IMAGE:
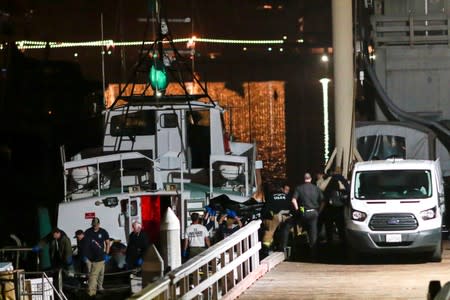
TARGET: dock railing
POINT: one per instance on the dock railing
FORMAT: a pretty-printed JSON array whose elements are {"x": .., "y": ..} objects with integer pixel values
[
  {"x": 18, "y": 254},
  {"x": 411, "y": 29},
  {"x": 35, "y": 285},
  {"x": 220, "y": 272}
]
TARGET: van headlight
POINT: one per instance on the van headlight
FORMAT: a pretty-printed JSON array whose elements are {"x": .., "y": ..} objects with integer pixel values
[
  {"x": 428, "y": 214},
  {"x": 358, "y": 215}
]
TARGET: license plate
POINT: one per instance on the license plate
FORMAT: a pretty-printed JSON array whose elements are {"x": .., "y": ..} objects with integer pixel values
[{"x": 393, "y": 238}]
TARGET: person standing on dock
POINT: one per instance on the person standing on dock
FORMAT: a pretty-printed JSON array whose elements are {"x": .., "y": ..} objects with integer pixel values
[
  {"x": 196, "y": 238},
  {"x": 81, "y": 258},
  {"x": 308, "y": 201},
  {"x": 97, "y": 239},
  {"x": 137, "y": 246},
  {"x": 275, "y": 213},
  {"x": 60, "y": 249},
  {"x": 336, "y": 193}
]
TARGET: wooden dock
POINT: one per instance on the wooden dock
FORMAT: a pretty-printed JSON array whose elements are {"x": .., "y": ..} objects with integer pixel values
[{"x": 396, "y": 277}]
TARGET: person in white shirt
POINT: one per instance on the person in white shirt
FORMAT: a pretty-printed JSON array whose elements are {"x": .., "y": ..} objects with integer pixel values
[{"x": 196, "y": 238}]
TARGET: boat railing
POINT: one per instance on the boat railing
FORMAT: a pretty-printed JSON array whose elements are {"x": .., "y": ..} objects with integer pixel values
[
  {"x": 241, "y": 165},
  {"x": 96, "y": 163},
  {"x": 220, "y": 272},
  {"x": 411, "y": 29}
]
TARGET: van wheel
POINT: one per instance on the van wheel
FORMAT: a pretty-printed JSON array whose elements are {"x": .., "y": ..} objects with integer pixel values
[
  {"x": 434, "y": 286},
  {"x": 437, "y": 254}
]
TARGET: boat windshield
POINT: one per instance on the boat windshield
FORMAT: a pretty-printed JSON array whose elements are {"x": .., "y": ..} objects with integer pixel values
[{"x": 393, "y": 184}]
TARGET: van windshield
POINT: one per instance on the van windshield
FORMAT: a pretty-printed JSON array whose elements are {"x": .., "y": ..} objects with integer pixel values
[{"x": 393, "y": 184}]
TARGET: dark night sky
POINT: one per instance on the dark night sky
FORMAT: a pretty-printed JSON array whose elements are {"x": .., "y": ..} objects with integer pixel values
[
  {"x": 34, "y": 136},
  {"x": 58, "y": 20}
]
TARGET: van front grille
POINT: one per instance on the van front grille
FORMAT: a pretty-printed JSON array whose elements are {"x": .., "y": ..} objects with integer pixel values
[{"x": 393, "y": 222}]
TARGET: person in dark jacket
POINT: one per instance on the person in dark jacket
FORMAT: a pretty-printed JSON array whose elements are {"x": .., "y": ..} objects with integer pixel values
[
  {"x": 336, "y": 195},
  {"x": 138, "y": 244},
  {"x": 60, "y": 249},
  {"x": 97, "y": 255},
  {"x": 275, "y": 215},
  {"x": 308, "y": 202},
  {"x": 82, "y": 251}
]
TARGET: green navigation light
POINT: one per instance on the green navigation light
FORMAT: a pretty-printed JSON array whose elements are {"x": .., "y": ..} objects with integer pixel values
[{"x": 158, "y": 77}]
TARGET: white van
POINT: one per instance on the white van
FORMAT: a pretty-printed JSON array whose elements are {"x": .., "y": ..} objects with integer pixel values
[{"x": 396, "y": 206}]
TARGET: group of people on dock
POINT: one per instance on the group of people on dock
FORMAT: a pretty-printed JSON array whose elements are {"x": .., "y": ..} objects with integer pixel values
[
  {"x": 314, "y": 209},
  {"x": 93, "y": 252},
  {"x": 311, "y": 209}
]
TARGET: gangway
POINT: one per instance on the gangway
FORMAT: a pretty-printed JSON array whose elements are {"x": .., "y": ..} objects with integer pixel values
[{"x": 223, "y": 271}]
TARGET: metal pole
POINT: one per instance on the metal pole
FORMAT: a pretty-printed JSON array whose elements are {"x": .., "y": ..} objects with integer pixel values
[
  {"x": 343, "y": 79},
  {"x": 103, "y": 59},
  {"x": 60, "y": 282},
  {"x": 17, "y": 285}
]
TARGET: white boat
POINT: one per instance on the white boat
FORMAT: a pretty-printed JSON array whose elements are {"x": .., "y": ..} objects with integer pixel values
[
  {"x": 155, "y": 156},
  {"x": 161, "y": 148}
]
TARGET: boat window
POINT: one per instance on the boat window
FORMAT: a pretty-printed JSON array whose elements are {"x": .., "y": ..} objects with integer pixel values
[
  {"x": 393, "y": 184},
  {"x": 124, "y": 206},
  {"x": 133, "y": 124},
  {"x": 168, "y": 120},
  {"x": 199, "y": 137},
  {"x": 133, "y": 208}
]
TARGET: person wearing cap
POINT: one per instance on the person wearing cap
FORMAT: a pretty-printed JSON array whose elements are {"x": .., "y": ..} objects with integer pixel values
[
  {"x": 308, "y": 202},
  {"x": 138, "y": 244},
  {"x": 98, "y": 244},
  {"x": 60, "y": 249},
  {"x": 83, "y": 262}
]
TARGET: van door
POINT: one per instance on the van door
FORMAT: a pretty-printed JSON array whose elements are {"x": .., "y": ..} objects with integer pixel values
[{"x": 440, "y": 186}]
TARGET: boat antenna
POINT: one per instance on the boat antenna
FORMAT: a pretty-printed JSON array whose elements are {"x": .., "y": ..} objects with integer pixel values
[
  {"x": 103, "y": 57},
  {"x": 165, "y": 64}
]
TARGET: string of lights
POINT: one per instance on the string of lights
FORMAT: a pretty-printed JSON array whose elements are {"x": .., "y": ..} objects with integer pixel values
[{"x": 27, "y": 44}]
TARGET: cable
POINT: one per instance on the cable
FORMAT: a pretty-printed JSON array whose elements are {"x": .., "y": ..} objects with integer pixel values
[{"x": 442, "y": 132}]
